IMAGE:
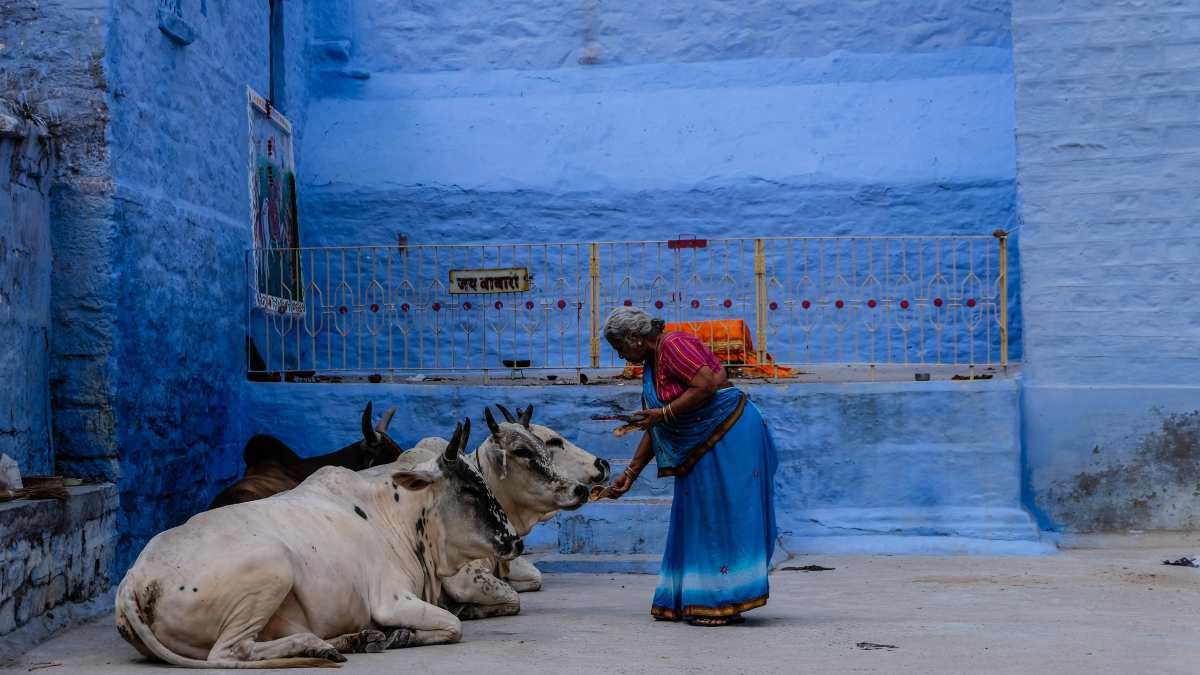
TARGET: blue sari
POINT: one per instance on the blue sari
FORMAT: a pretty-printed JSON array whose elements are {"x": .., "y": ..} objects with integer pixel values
[{"x": 722, "y": 532}]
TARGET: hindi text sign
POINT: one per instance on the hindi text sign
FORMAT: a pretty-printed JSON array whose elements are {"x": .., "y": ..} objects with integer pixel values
[{"x": 495, "y": 280}]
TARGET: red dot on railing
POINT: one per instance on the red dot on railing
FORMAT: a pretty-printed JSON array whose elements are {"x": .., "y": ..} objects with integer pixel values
[
  {"x": 695, "y": 304},
  {"x": 903, "y": 304},
  {"x": 970, "y": 302},
  {"x": 528, "y": 304},
  {"x": 658, "y": 304},
  {"x": 871, "y": 303},
  {"x": 467, "y": 305},
  {"x": 774, "y": 306},
  {"x": 374, "y": 307},
  {"x": 806, "y": 304},
  {"x": 937, "y": 302},
  {"x": 343, "y": 309},
  {"x": 499, "y": 305},
  {"x": 728, "y": 303},
  {"x": 437, "y": 306},
  {"x": 562, "y": 304},
  {"x": 628, "y": 302},
  {"x": 839, "y": 304},
  {"x": 404, "y": 307}
]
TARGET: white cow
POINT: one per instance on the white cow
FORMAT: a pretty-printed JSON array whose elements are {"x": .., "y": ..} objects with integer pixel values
[
  {"x": 534, "y": 472},
  {"x": 297, "y": 578}
]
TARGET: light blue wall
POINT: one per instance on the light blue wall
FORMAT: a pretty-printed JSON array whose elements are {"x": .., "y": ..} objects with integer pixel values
[
  {"x": 760, "y": 118},
  {"x": 1107, "y": 134}
]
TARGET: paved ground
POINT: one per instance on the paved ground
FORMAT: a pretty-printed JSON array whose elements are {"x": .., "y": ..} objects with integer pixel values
[{"x": 1112, "y": 610}]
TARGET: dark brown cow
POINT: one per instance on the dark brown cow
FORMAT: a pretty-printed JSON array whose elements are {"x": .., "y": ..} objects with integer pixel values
[{"x": 272, "y": 467}]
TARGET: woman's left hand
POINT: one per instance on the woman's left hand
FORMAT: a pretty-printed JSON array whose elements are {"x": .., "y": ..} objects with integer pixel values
[{"x": 646, "y": 419}]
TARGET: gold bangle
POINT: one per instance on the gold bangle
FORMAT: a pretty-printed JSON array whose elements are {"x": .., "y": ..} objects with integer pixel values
[{"x": 667, "y": 414}]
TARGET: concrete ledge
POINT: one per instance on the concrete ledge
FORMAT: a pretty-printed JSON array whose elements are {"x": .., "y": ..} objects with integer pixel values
[
  {"x": 915, "y": 545},
  {"x": 57, "y": 559}
]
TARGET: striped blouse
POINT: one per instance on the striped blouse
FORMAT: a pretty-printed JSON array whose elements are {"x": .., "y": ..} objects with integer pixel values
[{"x": 680, "y": 357}]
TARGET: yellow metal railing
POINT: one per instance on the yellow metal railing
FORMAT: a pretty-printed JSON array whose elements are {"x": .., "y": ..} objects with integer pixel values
[{"x": 870, "y": 301}]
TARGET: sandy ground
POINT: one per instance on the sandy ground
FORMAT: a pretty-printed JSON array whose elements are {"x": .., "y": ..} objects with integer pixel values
[{"x": 1115, "y": 609}]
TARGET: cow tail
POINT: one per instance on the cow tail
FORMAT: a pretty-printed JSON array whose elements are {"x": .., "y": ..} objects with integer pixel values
[{"x": 136, "y": 632}]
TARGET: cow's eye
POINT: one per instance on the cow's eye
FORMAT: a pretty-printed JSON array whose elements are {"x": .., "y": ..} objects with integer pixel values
[{"x": 523, "y": 453}]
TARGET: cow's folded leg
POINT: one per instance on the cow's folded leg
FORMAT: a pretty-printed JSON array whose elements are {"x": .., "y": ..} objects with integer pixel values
[
  {"x": 300, "y": 644},
  {"x": 477, "y": 594},
  {"x": 523, "y": 576},
  {"x": 424, "y": 623},
  {"x": 362, "y": 642}
]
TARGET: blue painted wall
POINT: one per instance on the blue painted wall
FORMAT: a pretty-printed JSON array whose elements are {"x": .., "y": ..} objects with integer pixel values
[
  {"x": 179, "y": 139},
  {"x": 1107, "y": 137},
  {"x": 541, "y": 120},
  {"x": 26, "y": 170}
]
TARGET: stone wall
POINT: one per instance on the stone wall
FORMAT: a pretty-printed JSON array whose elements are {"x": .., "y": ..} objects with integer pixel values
[
  {"x": 26, "y": 167},
  {"x": 57, "y": 560},
  {"x": 55, "y": 49},
  {"x": 1107, "y": 136}
]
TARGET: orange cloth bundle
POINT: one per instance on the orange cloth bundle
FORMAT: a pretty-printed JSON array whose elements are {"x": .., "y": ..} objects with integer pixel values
[{"x": 730, "y": 340}]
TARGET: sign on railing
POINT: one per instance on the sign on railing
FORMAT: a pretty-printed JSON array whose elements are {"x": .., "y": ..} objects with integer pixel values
[{"x": 791, "y": 301}]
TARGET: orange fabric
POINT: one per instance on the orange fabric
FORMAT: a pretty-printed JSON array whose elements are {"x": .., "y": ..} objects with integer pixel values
[{"x": 730, "y": 340}]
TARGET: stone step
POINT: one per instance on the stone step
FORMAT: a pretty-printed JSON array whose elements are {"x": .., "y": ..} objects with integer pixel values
[
  {"x": 579, "y": 563},
  {"x": 630, "y": 525}
]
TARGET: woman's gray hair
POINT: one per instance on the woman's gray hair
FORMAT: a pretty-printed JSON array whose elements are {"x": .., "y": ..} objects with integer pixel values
[{"x": 627, "y": 324}]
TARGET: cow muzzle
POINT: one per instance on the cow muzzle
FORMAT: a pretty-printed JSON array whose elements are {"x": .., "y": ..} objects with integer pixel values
[{"x": 605, "y": 471}]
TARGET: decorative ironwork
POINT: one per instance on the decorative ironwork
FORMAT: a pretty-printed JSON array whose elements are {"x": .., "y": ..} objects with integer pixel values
[{"x": 909, "y": 301}]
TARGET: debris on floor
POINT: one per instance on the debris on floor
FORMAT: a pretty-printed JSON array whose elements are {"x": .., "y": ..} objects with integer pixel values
[
  {"x": 874, "y": 645},
  {"x": 1186, "y": 561},
  {"x": 808, "y": 568}
]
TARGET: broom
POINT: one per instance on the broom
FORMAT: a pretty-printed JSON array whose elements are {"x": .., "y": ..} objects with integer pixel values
[
  {"x": 35, "y": 492},
  {"x": 37, "y": 487}
]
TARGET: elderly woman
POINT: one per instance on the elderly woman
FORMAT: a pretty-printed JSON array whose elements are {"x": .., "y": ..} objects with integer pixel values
[{"x": 712, "y": 439}]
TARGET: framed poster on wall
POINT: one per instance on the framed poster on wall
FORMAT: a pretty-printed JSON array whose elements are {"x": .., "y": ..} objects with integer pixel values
[{"x": 274, "y": 219}]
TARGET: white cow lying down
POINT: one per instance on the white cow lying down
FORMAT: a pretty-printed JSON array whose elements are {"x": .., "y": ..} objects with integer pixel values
[
  {"x": 294, "y": 579},
  {"x": 534, "y": 472}
]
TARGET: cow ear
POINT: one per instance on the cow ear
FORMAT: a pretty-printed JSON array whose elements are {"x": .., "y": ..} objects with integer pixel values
[
  {"x": 508, "y": 416},
  {"x": 491, "y": 422},
  {"x": 526, "y": 415},
  {"x": 368, "y": 431},
  {"x": 414, "y": 479},
  {"x": 385, "y": 421}
]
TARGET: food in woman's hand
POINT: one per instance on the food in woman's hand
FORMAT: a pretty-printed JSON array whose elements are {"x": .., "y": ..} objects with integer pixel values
[{"x": 627, "y": 429}]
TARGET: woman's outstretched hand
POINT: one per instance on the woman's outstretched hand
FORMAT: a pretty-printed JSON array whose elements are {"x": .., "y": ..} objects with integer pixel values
[
  {"x": 647, "y": 419},
  {"x": 622, "y": 484}
]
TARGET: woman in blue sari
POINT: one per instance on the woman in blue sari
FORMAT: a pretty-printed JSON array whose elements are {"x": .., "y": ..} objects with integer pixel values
[{"x": 709, "y": 436}]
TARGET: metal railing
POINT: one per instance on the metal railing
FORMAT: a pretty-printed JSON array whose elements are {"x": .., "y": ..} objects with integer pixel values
[{"x": 388, "y": 311}]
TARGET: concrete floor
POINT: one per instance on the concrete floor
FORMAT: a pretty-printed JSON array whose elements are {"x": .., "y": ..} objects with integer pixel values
[{"x": 1110, "y": 610}]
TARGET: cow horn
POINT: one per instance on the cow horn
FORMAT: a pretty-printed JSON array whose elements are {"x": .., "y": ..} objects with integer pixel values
[
  {"x": 491, "y": 421},
  {"x": 508, "y": 416},
  {"x": 369, "y": 434},
  {"x": 385, "y": 421},
  {"x": 451, "y": 452},
  {"x": 526, "y": 415}
]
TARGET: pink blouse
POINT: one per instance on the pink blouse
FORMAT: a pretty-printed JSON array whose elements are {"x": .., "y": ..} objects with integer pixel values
[{"x": 680, "y": 357}]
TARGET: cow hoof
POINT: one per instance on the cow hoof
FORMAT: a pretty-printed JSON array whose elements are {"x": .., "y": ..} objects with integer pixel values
[
  {"x": 330, "y": 654},
  {"x": 400, "y": 638},
  {"x": 374, "y": 641}
]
